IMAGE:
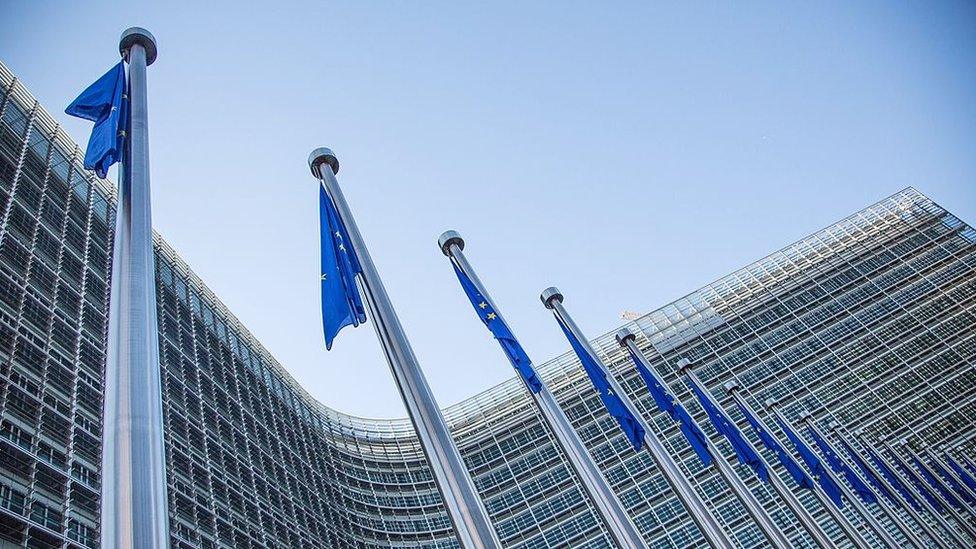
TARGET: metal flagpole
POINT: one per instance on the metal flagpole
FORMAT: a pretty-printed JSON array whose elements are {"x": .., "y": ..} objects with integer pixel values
[
  {"x": 595, "y": 485},
  {"x": 960, "y": 518},
  {"x": 465, "y": 509},
  {"x": 134, "y": 507},
  {"x": 912, "y": 512},
  {"x": 916, "y": 481},
  {"x": 955, "y": 477},
  {"x": 881, "y": 531},
  {"x": 710, "y": 528},
  {"x": 746, "y": 497},
  {"x": 886, "y": 508},
  {"x": 806, "y": 519}
]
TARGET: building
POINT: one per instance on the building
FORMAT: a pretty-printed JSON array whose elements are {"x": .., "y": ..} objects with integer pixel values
[{"x": 871, "y": 318}]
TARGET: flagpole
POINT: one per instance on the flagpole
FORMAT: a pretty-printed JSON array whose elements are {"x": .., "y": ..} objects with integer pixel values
[
  {"x": 464, "y": 507},
  {"x": 881, "y": 531},
  {"x": 806, "y": 519},
  {"x": 937, "y": 493},
  {"x": 916, "y": 481},
  {"x": 908, "y": 507},
  {"x": 134, "y": 507},
  {"x": 886, "y": 508},
  {"x": 746, "y": 497},
  {"x": 955, "y": 477},
  {"x": 595, "y": 485},
  {"x": 709, "y": 526}
]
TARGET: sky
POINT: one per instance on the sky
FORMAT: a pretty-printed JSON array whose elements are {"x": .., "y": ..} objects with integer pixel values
[{"x": 628, "y": 154}]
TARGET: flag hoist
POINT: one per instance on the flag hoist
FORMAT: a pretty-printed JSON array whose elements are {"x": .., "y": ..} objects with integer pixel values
[
  {"x": 346, "y": 263},
  {"x": 619, "y": 406},
  {"x": 134, "y": 510},
  {"x": 595, "y": 485}
]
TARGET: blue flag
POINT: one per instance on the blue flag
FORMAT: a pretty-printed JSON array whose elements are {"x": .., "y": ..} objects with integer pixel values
[
  {"x": 868, "y": 473},
  {"x": 841, "y": 468},
  {"x": 767, "y": 438},
  {"x": 743, "y": 450},
  {"x": 920, "y": 486},
  {"x": 667, "y": 403},
  {"x": 814, "y": 464},
  {"x": 893, "y": 478},
  {"x": 946, "y": 476},
  {"x": 516, "y": 355},
  {"x": 628, "y": 423},
  {"x": 342, "y": 304},
  {"x": 962, "y": 472},
  {"x": 934, "y": 483},
  {"x": 107, "y": 105}
]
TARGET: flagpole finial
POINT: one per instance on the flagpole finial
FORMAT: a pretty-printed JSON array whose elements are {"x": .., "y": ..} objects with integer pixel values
[
  {"x": 805, "y": 415},
  {"x": 322, "y": 155},
  {"x": 732, "y": 386},
  {"x": 449, "y": 238},
  {"x": 625, "y": 335},
  {"x": 684, "y": 365},
  {"x": 549, "y": 295},
  {"x": 833, "y": 425},
  {"x": 771, "y": 403},
  {"x": 138, "y": 35}
]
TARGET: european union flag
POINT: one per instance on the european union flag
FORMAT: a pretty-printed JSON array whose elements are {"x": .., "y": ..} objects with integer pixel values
[
  {"x": 949, "y": 496},
  {"x": 814, "y": 464},
  {"x": 767, "y": 438},
  {"x": 893, "y": 478},
  {"x": 628, "y": 423},
  {"x": 513, "y": 350},
  {"x": 962, "y": 472},
  {"x": 841, "y": 468},
  {"x": 743, "y": 450},
  {"x": 667, "y": 403},
  {"x": 342, "y": 304},
  {"x": 868, "y": 472},
  {"x": 106, "y": 104},
  {"x": 946, "y": 476}
]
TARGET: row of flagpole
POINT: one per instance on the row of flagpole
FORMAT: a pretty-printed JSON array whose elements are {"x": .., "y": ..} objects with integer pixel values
[{"x": 918, "y": 496}]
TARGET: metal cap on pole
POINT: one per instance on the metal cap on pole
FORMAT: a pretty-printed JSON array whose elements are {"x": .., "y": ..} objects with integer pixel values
[
  {"x": 138, "y": 35},
  {"x": 461, "y": 499}
]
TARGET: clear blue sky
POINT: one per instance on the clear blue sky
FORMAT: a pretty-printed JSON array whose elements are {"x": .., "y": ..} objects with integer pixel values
[{"x": 626, "y": 154}]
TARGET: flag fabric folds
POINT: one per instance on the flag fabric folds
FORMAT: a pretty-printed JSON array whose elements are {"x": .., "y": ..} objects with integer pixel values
[
  {"x": 628, "y": 422},
  {"x": 106, "y": 104},
  {"x": 792, "y": 467},
  {"x": 841, "y": 468},
  {"x": 893, "y": 478},
  {"x": 951, "y": 481},
  {"x": 814, "y": 464},
  {"x": 743, "y": 450},
  {"x": 868, "y": 473},
  {"x": 513, "y": 350},
  {"x": 962, "y": 472},
  {"x": 934, "y": 483},
  {"x": 342, "y": 303},
  {"x": 667, "y": 403},
  {"x": 920, "y": 486}
]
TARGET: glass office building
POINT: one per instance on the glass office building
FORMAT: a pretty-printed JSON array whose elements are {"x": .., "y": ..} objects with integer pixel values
[{"x": 869, "y": 321}]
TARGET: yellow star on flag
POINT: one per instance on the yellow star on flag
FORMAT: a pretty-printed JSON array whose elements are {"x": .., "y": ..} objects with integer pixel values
[
  {"x": 482, "y": 304},
  {"x": 491, "y": 316}
]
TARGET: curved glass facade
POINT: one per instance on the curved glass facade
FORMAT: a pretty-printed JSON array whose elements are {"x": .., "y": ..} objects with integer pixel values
[{"x": 871, "y": 318}]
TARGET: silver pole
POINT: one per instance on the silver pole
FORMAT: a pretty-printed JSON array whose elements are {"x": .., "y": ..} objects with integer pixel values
[
  {"x": 852, "y": 533},
  {"x": 595, "y": 485},
  {"x": 960, "y": 519},
  {"x": 955, "y": 477},
  {"x": 465, "y": 509},
  {"x": 886, "y": 508},
  {"x": 882, "y": 533},
  {"x": 914, "y": 482},
  {"x": 912, "y": 512},
  {"x": 134, "y": 507},
  {"x": 748, "y": 499},
  {"x": 710, "y": 528},
  {"x": 811, "y": 526}
]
